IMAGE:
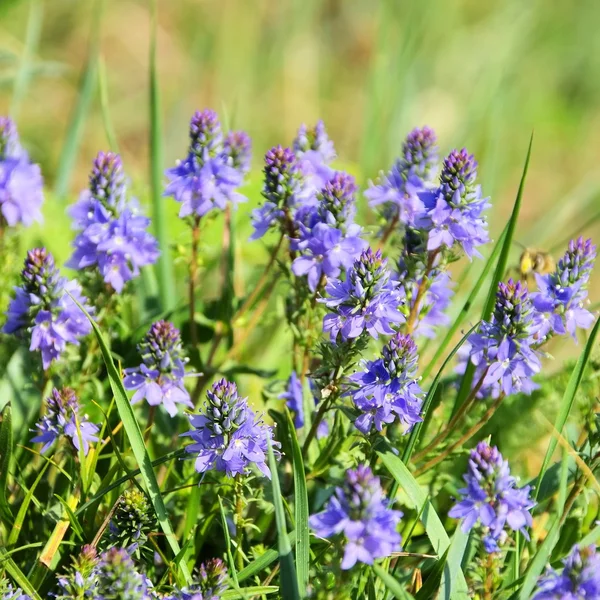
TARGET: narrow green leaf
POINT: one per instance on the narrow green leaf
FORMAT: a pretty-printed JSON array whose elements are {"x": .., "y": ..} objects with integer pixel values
[
  {"x": 19, "y": 577},
  {"x": 467, "y": 380},
  {"x": 164, "y": 265},
  {"x": 232, "y": 568},
  {"x": 263, "y": 561},
  {"x": 249, "y": 592},
  {"x": 6, "y": 445},
  {"x": 464, "y": 311},
  {"x": 392, "y": 584},
  {"x": 431, "y": 586},
  {"x": 414, "y": 434},
  {"x": 568, "y": 398},
  {"x": 77, "y": 528},
  {"x": 289, "y": 581},
  {"x": 136, "y": 441},
  {"x": 301, "y": 510},
  {"x": 449, "y": 586}
]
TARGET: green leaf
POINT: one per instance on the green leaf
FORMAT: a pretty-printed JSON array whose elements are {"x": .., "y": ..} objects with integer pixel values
[
  {"x": 449, "y": 586},
  {"x": 136, "y": 441},
  {"x": 432, "y": 584},
  {"x": 6, "y": 445},
  {"x": 249, "y": 592},
  {"x": 289, "y": 580},
  {"x": 568, "y": 398},
  {"x": 77, "y": 528},
  {"x": 392, "y": 584},
  {"x": 300, "y": 511},
  {"x": 19, "y": 577},
  {"x": 467, "y": 380},
  {"x": 164, "y": 265},
  {"x": 263, "y": 561},
  {"x": 433, "y": 525},
  {"x": 414, "y": 434},
  {"x": 232, "y": 568}
]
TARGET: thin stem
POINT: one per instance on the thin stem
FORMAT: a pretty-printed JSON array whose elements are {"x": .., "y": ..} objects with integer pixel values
[
  {"x": 193, "y": 281},
  {"x": 388, "y": 231},
  {"x": 239, "y": 522},
  {"x": 442, "y": 435},
  {"x": 414, "y": 310},
  {"x": 151, "y": 415},
  {"x": 465, "y": 438}
]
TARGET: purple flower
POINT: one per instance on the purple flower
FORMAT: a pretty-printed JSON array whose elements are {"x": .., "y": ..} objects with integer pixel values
[
  {"x": 62, "y": 418},
  {"x": 209, "y": 176},
  {"x": 503, "y": 348},
  {"x": 228, "y": 436},
  {"x": 367, "y": 300},
  {"x": 337, "y": 201},
  {"x": 42, "y": 310},
  {"x": 79, "y": 580},
  {"x": 454, "y": 210},
  {"x": 10, "y": 593},
  {"x": 358, "y": 514},
  {"x": 579, "y": 578},
  {"x": 314, "y": 140},
  {"x": 113, "y": 236},
  {"x": 398, "y": 190},
  {"x": 491, "y": 499},
  {"x": 294, "y": 399},
  {"x": 21, "y": 184},
  {"x": 159, "y": 379},
  {"x": 117, "y": 577},
  {"x": 387, "y": 388},
  {"x": 562, "y": 294}
]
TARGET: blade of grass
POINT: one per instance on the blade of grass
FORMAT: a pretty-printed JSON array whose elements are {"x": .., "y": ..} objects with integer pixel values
[
  {"x": 289, "y": 580},
  {"x": 6, "y": 445},
  {"x": 79, "y": 113},
  {"x": 136, "y": 441},
  {"x": 18, "y": 576},
  {"x": 232, "y": 568},
  {"x": 392, "y": 584},
  {"x": 448, "y": 587},
  {"x": 164, "y": 265},
  {"x": 111, "y": 137},
  {"x": 249, "y": 592},
  {"x": 300, "y": 511},
  {"x": 263, "y": 561},
  {"x": 467, "y": 380},
  {"x": 567, "y": 400}
]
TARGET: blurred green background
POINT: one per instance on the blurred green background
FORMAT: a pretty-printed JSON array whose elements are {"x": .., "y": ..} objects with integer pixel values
[{"x": 73, "y": 73}]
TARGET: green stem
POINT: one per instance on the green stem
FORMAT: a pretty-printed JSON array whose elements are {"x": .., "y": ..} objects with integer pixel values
[{"x": 239, "y": 522}]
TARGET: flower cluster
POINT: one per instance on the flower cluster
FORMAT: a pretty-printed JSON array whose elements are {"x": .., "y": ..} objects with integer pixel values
[
  {"x": 43, "y": 309},
  {"x": 562, "y": 294},
  {"x": 113, "y": 237},
  {"x": 117, "y": 577},
  {"x": 228, "y": 436},
  {"x": 159, "y": 378},
  {"x": 63, "y": 419},
  {"x": 387, "y": 388},
  {"x": 209, "y": 176},
  {"x": 491, "y": 498},
  {"x": 8, "y": 592},
  {"x": 314, "y": 139},
  {"x": 21, "y": 193},
  {"x": 454, "y": 211},
  {"x": 398, "y": 190},
  {"x": 294, "y": 398},
  {"x": 502, "y": 350},
  {"x": 579, "y": 578},
  {"x": 79, "y": 581},
  {"x": 358, "y": 515},
  {"x": 329, "y": 239},
  {"x": 367, "y": 300},
  {"x": 132, "y": 521}
]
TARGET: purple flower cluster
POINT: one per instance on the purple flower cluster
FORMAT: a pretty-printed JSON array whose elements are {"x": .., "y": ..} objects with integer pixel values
[
  {"x": 113, "y": 236},
  {"x": 294, "y": 398},
  {"x": 502, "y": 350},
  {"x": 314, "y": 140},
  {"x": 63, "y": 418},
  {"x": 412, "y": 273},
  {"x": 329, "y": 240},
  {"x": 367, "y": 300},
  {"x": 209, "y": 176},
  {"x": 10, "y": 593},
  {"x": 228, "y": 436},
  {"x": 117, "y": 577},
  {"x": 578, "y": 580},
  {"x": 159, "y": 378},
  {"x": 562, "y": 294},
  {"x": 398, "y": 190},
  {"x": 21, "y": 184},
  {"x": 359, "y": 515},
  {"x": 454, "y": 211},
  {"x": 491, "y": 498},
  {"x": 387, "y": 388},
  {"x": 43, "y": 311},
  {"x": 209, "y": 583},
  {"x": 79, "y": 580}
]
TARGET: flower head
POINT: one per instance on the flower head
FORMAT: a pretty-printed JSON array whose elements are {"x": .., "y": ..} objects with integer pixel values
[
  {"x": 454, "y": 211},
  {"x": 159, "y": 378},
  {"x": 502, "y": 349},
  {"x": 579, "y": 578},
  {"x": 337, "y": 201},
  {"x": 228, "y": 436},
  {"x": 314, "y": 140},
  {"x": 80, "y": 579},
  {"x": 367, "y": 300},
  {"x": 21, "y": 193},
  {"x": 282, "y": 178},
  {"x": 358, "y": 515},
  {"x": 238, "y": 149},
  {"x": 132, "y": 521},
  {"x": 387, "y": 389},
  {"x": 491, "y": 499},
  {"x": 118, "y": 579},
  {"x": 43, "y": 311},
  {"x": 562, "y": 294},
  {"x": 8, "y": 592},
  {"x": 113, "y": 237},
  {"x": 63, "y": 418},
  {"x": 206, "y": 137}
]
